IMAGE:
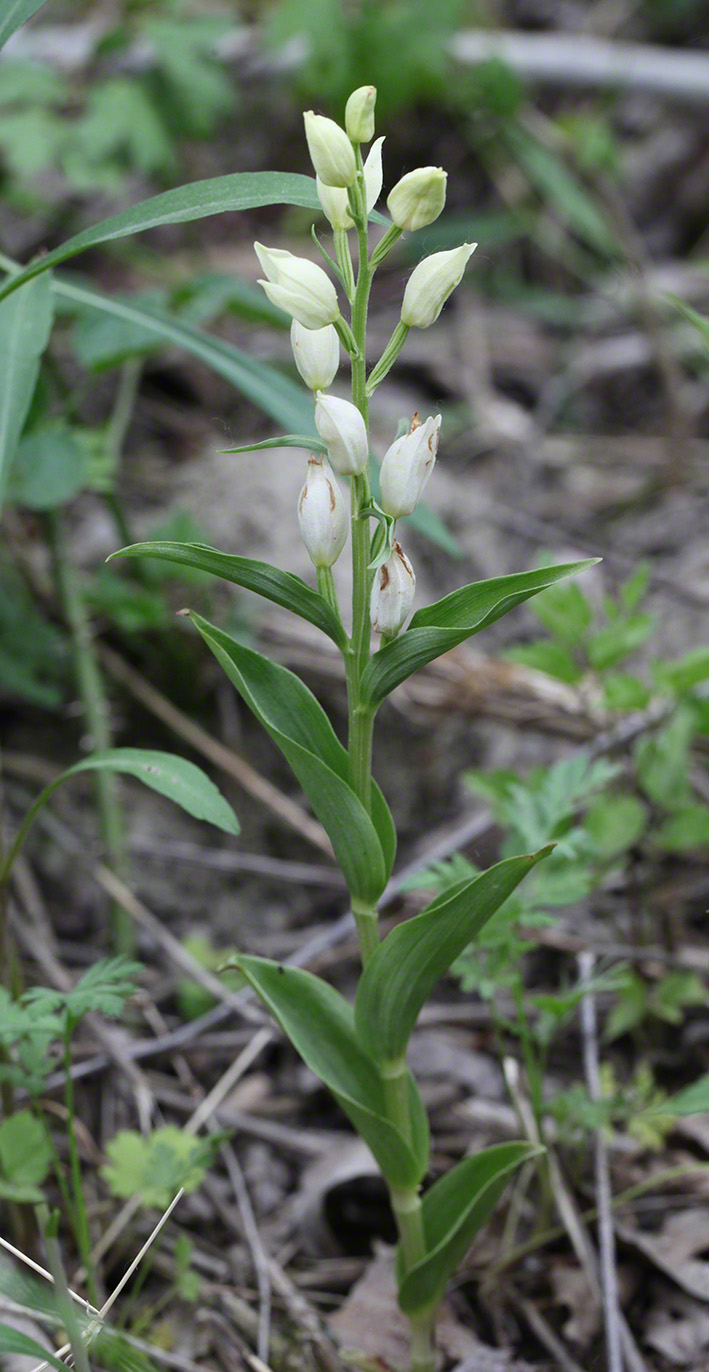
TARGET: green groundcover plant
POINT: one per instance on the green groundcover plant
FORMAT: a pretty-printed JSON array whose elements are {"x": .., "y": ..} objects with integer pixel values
[{"x": 359, "y": 1051}]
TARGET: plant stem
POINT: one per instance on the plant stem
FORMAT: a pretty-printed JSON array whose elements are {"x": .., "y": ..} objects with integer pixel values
[
  {"x": 93, "y": 697},
  {"x": 406, "y": 1202},
  {"x": 65, "y": 1304},
  {"x": 81, "y": 1222}
]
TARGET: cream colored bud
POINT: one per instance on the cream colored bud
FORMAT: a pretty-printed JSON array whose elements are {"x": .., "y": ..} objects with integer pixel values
[
  {"x": 392, "y": 593},
  {"x": 316, "y": 353},
  {"x": 331, "y": 152},
  {"x": 322, "y": 514},
  {"x": 430, "y": 284},
  {"x": 343, "y": 430},
  {"x": 335, "y": 205},
  {"x": 407, "y": 465},
  {"x": 298, "y": 286},
  {"x": 373, "y": 174},
  {"x": 418, "y": 198},
  {"x": 359, "y": 114}
]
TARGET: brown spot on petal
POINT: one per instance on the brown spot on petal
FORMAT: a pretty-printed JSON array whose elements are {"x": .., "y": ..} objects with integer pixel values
[
  {"x": 384, "y": 577},
  {"x": 415, "y": 422},
  {"x": 332, "y": 495}
]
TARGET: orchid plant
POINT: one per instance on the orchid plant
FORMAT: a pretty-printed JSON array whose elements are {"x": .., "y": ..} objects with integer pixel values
[{"x": 359, "y": 1051}]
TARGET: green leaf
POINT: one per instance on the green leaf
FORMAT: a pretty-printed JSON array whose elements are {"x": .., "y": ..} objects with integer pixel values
[
  {"x": 154, "y": 1168},
  {"x": 454, "y": 1209},
  {"x": 320, "y": 1024},
  {"x": 181, "y": 781},
  {"x": 50, "y": 468},
  {"x": 615, "y": 824},
  {"x": 283, "y": 588},
  {"x": 401, "y": 974},
  {"x": 694, "y": 1100},
  {"x": 298, "y": 725},
  {"x": 546, "y": 656},
  {"x": 277, "y": 395},
  {"x": 25, "y": 325},
  {"x": 25, "y": 1157},
  {"x": 15, "y": 13},
  {"x": 307, "y": 441},
  {"x": 442, "y": 626},
  {"x": 174, "y": 777},
  {"x": 12, "y": 1341},
  {"x": 103, "y": 989},
  {"x": 663, "y": 762},
  {"x": 198, "y": 200},
  {"x": 685, "y": 673},
  {"x": 688, "y": 828}
]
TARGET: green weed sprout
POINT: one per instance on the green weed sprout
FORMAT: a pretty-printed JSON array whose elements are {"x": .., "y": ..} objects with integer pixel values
[{"x": 359, "y": 1051}]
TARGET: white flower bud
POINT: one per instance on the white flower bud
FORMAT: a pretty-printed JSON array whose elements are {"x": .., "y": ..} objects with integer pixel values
[
  {"x": 407, "y": 465},
  {"x": 430, "y": 284},
  {"x": 335, "y": 205},
  {"x": 392, "y": 593},
  {"x": 322, "y": 514},
  {"x": 373, "y": 174},
  {"x": 343, "y": 429},
  {"x": 316, "y": 353},
  {"x": 331, "y": 152},
  {"x": 359, "y": 114},
  {"x": 418, "y": 198},
  {"x": 298, "y": 286},
  {"x": 335, "y": 201}
]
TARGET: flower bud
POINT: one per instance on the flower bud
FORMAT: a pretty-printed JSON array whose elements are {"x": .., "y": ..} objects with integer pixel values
[
  {"x": 316, "y": 353},
  {"x": 335, "y": 205},
  {"x": 430, "y": 284},
  {"x": 407, "y": 465},
  {"x": 392, "y": 593},
  {"x": 322, "y": 514},
  {"x": 373, "y": 174},
  {"x": 418, "y": 198},
  {"x": 299, "y": 287},
  {"x": 343, "y": 429},
  {"x": 331, "y": 152},
  {"x": 359, "y": 114}
]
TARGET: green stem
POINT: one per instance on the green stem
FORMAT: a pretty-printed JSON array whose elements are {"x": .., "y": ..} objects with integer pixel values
[
  {"x": 65, "y": 1304},
  {"x": 95, "y": 705},
  {"x": 366, "y": 918},
  {"x": 406, "y": 1202},
  {"x": 326, "y": 587},
  {"x": 81, "y": 1222}
]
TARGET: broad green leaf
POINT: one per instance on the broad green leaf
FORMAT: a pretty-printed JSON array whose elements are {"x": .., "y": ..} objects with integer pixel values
[
  {"x": 298, "y": 725},
  {"x": 49, "y": 468},
  {"x": 615, "y": 823},
  {"x": 403, "y": 971},
  {"x": 174, "y": 777},
  {"x": 25, "y": 325},
  {"x": 694, "y": 1100},
  {"x": 306, "y": 441},
  {"x": 198, "y": 200},
  {"x": 25, "y": 1157},
  {"x": 277, "y": 395},
  {"x": 12, "y": 1341},
  {"x": 281, "y": 587},
  {"x": 320, "y": 1024},
  {"x": 688, "y": 828},
  {"x": 454, "y": 1209},
  {"x": 15, "y": 13},
  {"x": 439, "y": 627}
]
